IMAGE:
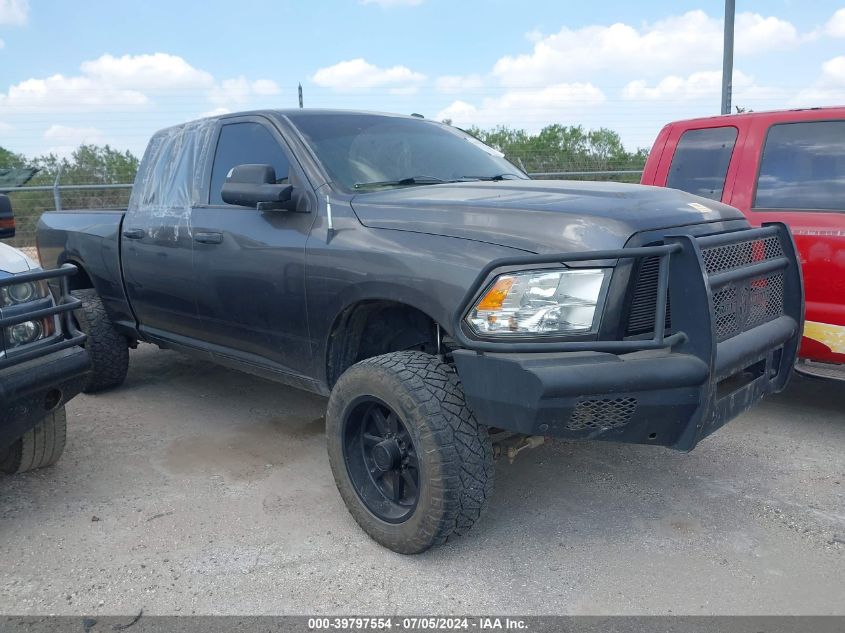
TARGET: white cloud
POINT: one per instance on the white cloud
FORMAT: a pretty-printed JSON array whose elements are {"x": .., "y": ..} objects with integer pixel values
[
  {"x": 835, "y": 26},
  {"x": 144, "y": 92},
  {"x": 703, "y": 87},
  {"x": 129, "y": 82},
  {"x": 156, "y": 71},
  {"x": 451, "y": 84},
  {"x": 60, "y": 93},
  {"x": 358, "y": 73},
  {"x": 239, "y": 90},
  {"x": 833, "y": 70},
  {"x": 828, "y": 89},
  {"x": 757, "y": 34},
  {"x": 389, "y": 4},
  {"x": 73, "y": 135},
  {"x": 63, "y": 139},
  {"x": 676, "y": 43},
  {"x": 6, "y": 127},
  {"x": 526, "y": 107},
  {"x": 265, "y": 87},
  {"x": 14, "y": 12},
  {"x": 699, "y": 85}
]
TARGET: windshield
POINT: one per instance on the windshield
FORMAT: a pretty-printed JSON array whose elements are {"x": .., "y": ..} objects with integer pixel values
[{"x": 367, "y": 152}]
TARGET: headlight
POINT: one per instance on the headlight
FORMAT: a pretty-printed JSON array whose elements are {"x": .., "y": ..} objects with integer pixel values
[
  {"x": 539, "y": 302},
  {"x": 22, "y": 293},
  {"x": 23, "y": 333}
]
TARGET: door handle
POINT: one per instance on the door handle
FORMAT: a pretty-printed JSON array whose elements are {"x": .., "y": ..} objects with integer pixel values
[
  {"x": 208, "y": 238},
  {"x": 134, "y": 234}
]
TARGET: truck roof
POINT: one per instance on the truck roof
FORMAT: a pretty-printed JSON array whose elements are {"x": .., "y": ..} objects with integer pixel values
[
  {"x": 299, "y": 113},
  {"x": 292, "y": 113},
  {"x": 789, "y": 113}
]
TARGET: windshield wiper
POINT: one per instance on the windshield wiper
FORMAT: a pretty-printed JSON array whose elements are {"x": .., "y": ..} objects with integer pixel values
[
  {"x": 496, "y": 177},
  {"x": 413, "y": 180}
]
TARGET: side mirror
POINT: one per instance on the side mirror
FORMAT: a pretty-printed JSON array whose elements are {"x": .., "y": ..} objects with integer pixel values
[
  {"x": 255, "y": 186},
  {"x": 7, "y": 218}
]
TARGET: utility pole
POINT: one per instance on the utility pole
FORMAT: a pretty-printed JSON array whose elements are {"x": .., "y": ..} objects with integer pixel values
[
  {"x": 300, "y": 95},
  {"x": 728, "y": 56}
]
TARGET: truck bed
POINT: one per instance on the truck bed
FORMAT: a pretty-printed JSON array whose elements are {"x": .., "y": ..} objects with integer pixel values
[{"x": 89, "y": 238}]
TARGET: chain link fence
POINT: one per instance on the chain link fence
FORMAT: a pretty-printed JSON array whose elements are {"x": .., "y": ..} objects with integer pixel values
[{"x": 29, "y": 203}]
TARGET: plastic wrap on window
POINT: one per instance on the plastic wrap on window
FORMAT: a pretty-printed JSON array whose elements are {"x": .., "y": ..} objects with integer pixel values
[{"x": 170, "y": 179}]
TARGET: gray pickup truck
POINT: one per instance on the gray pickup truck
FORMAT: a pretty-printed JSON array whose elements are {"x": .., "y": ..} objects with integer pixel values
[{"x": 451, "y": 308}]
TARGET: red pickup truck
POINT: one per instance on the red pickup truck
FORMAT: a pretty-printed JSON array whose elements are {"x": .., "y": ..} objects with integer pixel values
[{"x": 786, "y": 166}]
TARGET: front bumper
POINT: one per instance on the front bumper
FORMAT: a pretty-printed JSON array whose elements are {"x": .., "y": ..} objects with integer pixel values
[
  {"x": 729, "y": 348},
  {"x": 32, "y": 389},
  {"x": 40, "y": 377}
]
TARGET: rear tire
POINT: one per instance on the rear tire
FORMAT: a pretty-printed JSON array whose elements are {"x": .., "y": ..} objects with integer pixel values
[
  {"x": 107, "y": 348},
  {"x": 41, "y": 446},
  {"x": 430, "y": 449}
]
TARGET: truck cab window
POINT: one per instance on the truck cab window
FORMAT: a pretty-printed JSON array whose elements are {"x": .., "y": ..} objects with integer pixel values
[
  {"x": 245, "y": 143},
  {"x": 701, "y": 161},
  {"x": 802, "y": 167}
]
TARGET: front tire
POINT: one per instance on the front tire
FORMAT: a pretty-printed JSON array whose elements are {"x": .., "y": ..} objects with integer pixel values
[
  {"x": 107, "y": 348},
  {"x": 412, "y": 464},
  {"x": 41, "y": 446}
]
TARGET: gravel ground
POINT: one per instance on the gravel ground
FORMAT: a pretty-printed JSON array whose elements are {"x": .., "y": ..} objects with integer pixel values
[{"x": 195, "y": 489}]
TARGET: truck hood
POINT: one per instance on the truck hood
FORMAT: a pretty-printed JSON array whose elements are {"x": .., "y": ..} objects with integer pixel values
[
  {"x": 13, "y": 261},
  {"x": 536, "y": 215}
]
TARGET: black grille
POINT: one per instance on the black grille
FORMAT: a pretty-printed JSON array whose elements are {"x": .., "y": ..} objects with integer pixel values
[
  {"x": 723, "y": 258},
  {"x": 745, "y": 305},
  {"x": 604, "y": 413},
  {"x": 641, "y": 313}
]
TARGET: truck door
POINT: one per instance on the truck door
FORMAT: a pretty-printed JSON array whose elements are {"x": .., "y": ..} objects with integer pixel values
[
  {"x": 156, "y": 244},
  {"x": 250, "y": 265},
  {"x": 797, "y": 178}
]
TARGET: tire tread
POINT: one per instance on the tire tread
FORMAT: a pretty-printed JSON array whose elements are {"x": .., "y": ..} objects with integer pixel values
[
  {"x": 41, "y": 446},
  {"x": 107, "y": 348}
]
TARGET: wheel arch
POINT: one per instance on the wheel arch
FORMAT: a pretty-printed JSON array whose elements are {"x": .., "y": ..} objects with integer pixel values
[
  {"x": 81, "y": 280},
  {"x": 369, "y": 327}
]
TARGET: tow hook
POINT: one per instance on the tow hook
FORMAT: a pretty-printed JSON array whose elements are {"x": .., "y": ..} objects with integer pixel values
[
  {"x": 532, "y": 441},
  {"x": 511, "y": 446}
]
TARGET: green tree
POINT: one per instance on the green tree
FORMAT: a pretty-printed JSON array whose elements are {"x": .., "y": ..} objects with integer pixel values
[
  {"x": 559, "y": 148},
  {"x": 11, "y": 160}
]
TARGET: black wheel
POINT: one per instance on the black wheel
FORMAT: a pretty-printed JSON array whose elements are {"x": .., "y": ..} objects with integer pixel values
[
  {"x": 107, "y": 348},
  {"x": 381, "y": 459},
  {"x": 41, "y": 446},
  {"x": 410, "y": 461}
]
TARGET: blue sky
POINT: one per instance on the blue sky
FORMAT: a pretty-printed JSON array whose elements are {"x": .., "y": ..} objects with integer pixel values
[{"x": 114, "y": 72}]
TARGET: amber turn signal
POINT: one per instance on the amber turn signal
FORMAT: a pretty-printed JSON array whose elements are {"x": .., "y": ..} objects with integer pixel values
[{"x": 495, "y": 297}]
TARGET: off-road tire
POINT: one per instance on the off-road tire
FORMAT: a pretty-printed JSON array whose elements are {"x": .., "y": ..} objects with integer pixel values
[
  {"x": 455, "y": 452},
  {"x": 41, "y": 446},
  {"x": 107, "y": 348}
]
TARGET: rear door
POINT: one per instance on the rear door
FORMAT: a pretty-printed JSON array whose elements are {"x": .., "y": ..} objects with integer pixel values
[
  {"x": 798, "y": 177},
  {"x": 250, "y": 265}
]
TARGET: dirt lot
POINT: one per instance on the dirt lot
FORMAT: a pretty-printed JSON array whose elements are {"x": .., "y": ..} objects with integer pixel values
[{"x": 195, "y": 489}]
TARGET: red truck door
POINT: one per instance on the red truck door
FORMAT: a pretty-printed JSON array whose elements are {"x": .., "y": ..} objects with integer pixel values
[{"x": 794, "y": 172}]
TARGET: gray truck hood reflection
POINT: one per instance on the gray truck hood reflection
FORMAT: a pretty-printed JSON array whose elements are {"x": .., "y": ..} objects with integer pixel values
[{"x": 537, "y": 216}]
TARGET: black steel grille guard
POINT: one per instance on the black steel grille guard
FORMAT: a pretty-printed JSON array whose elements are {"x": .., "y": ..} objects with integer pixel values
[
  {"x": 70, "y": 334},
  {"x": 682, "y": 272}
]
